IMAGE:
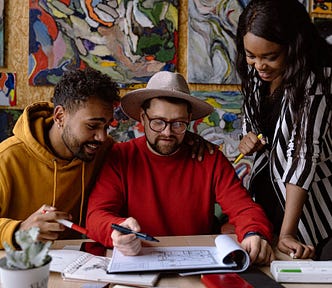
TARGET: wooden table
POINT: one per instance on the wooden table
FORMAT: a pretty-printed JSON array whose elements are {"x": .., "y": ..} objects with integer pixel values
[{"x": 170, "y": 281}]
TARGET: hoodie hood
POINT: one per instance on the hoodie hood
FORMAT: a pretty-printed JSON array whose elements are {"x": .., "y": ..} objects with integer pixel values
[{"x": 31, "y": 129}]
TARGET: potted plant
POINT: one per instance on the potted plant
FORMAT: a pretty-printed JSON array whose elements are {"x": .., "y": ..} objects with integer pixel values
[{"x": 28, "y": 267}]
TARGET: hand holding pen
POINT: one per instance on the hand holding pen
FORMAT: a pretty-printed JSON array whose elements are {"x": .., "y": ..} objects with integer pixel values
[
  {"x": 140, "y": 235},
  {"x": 249, "y": 144},
  {"x": 128, "y": 241}
]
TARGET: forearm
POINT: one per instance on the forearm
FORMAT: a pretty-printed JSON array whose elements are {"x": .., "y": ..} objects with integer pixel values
[{"x": 295, "y": 198}]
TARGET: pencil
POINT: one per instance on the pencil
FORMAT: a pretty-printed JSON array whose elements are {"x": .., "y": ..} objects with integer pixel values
[{"x": 260, "y": 136}]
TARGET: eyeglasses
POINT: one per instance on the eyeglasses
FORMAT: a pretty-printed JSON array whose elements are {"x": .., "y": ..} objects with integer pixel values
[{"x": 159, "y": 125}]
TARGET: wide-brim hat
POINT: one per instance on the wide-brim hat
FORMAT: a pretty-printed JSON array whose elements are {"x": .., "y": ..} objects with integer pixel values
[{"x": 167, "y": 84}]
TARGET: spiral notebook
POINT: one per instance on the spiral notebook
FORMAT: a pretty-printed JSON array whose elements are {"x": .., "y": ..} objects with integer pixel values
[
  {"x": 226, "y": 256},
  {"x": 79, "y": 265}
]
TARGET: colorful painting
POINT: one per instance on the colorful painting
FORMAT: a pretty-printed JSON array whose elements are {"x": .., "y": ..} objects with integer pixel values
[
  {"x": 1, "y": 32},
  {"x": 211, "y": 40},
  {"x": 223, "y": 126},
  {"x": 7, "y": 89},
  {"x": 321, "y": 6},
  {"x": 8, "y": 119},
  {"x": 128, "y": 40}
]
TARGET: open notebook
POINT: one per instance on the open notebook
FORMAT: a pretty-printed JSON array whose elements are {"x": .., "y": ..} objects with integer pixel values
[
  {"x": 226, "y": 256},
  {"x": 79, "y": 265}
]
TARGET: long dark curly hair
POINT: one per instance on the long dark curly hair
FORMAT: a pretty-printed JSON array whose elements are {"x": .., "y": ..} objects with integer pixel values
[{"x": 287, "y": 23}]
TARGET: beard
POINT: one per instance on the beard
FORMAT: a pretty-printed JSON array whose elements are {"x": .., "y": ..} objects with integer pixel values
[
  {"x": 164, "y": 149},
  {"x": 77, "y": 148}
]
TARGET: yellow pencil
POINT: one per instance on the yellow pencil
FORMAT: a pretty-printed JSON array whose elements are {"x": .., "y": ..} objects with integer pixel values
[{"x": 260, "y": 136}]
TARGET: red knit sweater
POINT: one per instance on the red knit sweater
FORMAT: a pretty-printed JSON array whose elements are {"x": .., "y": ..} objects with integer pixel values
[{"x": 169, "y": 195}]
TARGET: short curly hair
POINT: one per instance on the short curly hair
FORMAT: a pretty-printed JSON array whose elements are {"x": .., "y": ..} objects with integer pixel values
[{"x": 77, "y": 86}]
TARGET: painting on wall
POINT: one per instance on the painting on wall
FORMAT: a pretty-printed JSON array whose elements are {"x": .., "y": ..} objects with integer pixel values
[
  {"x": 8, "y": 118},
  {"x": 1, "y": 32},
  {"x": 322, "y": 6},
  {"x": 211, "y": 40},
  {"x": 128, "y": 40},
  {"x": 7, "y": 89}
]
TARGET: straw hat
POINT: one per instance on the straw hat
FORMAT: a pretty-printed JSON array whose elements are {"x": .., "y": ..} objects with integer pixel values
[{"x": 168, "y": 84}]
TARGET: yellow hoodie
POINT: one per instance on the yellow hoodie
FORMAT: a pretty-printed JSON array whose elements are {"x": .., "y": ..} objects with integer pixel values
[{"x": 30, "y": 175}]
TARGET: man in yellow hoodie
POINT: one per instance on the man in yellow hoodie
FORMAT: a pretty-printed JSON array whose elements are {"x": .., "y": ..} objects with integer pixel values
[{"x": 54, "y": 156}]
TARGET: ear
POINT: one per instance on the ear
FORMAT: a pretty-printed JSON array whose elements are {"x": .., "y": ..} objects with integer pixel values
[
  {"x": 59, "y": 115},
  {"x": 189, "y": 116},
  {"x": 141, "y": 116}
]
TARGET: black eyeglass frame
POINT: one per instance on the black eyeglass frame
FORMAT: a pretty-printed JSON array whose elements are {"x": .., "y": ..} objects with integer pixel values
[{"x": 172, "y": 123}]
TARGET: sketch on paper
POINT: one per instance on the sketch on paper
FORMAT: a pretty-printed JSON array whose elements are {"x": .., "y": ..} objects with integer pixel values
[
  {"x": 7, "y": 89},
  {"x": 212, "y": 29},
  {"x": 1, "y": 32},
  {"x": 128, "y": 40}
]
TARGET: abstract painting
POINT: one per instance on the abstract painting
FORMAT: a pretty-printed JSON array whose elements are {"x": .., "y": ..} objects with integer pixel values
[
  {"x": 8, "y": 118},
  {"x": 128, "y": 40},
  {"x": 1, "y": 32},
  {"x": 321, "y": 6},
  {"x": 211, "y": 40},
  {"x": 7, "y": 89}
]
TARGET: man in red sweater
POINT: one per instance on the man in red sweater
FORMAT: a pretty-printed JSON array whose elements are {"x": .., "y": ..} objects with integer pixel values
[{"x": 152, "y": 184}]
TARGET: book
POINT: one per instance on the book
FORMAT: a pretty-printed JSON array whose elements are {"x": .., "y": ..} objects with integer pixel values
[
  {"x": 302, "y": 271},
  {"x": 79, "y": 265},
  {"x": 226, "y": 280},
  {"x": 225, "y": 256}
]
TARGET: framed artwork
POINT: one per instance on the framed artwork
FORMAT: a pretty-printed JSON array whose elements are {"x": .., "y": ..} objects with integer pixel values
[
  {"x": 212, "y": 29},
  {"x": 322, "y": 6},
  {"x": 7, "y": 89},
  {"x": 1, "y": 32},
  {"x": 8, "y": 118},
  {"x": 128, "y": 40}
]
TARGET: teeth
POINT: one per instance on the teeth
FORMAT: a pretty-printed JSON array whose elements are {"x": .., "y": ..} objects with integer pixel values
[{"x": 92, "y": 146}]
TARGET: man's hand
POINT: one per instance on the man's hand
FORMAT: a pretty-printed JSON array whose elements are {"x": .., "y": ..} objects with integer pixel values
[
  {"x": 199, "y": 145},
  {"x": 259, "y": 250},
  {"x": 45, "y": 219},
  {"x": 127, "y": 244}
]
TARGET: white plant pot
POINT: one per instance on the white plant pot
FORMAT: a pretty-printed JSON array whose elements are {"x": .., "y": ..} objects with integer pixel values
[{"x": 29, "y": 278}]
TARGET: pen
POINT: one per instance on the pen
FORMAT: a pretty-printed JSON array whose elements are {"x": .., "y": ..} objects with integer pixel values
[
  {"x": 73, "y": 226},
  {"x": 69, "y": 224},
  {"x": 125, "y": 230},
  {"x": 260, "y": 136}
]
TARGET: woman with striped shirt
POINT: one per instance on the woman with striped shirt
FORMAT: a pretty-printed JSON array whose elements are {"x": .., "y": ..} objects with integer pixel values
[{"x": 285, "y": 69}]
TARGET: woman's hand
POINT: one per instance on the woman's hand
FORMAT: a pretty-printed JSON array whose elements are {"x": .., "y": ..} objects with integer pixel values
[
  {"x": 288, "y": 244},
  {"x": 250, "y": 144}
]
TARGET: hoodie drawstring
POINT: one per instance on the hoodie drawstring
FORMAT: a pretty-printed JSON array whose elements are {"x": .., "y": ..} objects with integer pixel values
[
  {"x": 54, "y": 181},
  {"x": 82, "y": 189},
  {"x": 82, "y": 193}
]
